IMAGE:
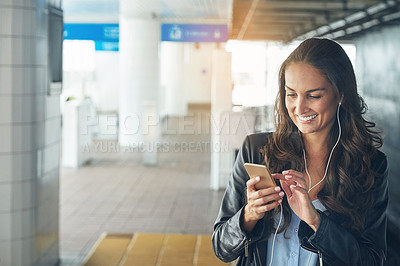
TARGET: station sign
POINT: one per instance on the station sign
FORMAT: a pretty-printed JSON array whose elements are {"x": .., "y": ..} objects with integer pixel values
[
  {"x": 194, "y": 33},
  {"x": 105, "y": 36}
]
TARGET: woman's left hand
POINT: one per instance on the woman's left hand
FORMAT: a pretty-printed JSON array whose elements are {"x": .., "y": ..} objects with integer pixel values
[{"x": 295, "y": 187}]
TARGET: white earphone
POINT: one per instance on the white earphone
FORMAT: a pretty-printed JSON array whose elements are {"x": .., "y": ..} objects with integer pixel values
[{"x": 341, "y": 99}]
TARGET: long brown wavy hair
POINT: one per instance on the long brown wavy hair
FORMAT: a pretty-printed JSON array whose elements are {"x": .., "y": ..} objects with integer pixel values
[{"x": 347, "y": 190}]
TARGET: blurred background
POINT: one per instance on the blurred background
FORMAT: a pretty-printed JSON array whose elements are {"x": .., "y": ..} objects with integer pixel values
[{"x": 125, "y": 117}]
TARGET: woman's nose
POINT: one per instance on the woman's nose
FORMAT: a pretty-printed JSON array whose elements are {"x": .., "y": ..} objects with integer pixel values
[{"x": 301, "y": 106}]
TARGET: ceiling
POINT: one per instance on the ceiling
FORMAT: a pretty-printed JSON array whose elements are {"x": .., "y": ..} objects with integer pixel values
[
  {"x": 171, "y": 11},
  {"x": 273, "y": 20},
  {"x": 181, "y": 11},
  {"x": 287, "y": 20}
]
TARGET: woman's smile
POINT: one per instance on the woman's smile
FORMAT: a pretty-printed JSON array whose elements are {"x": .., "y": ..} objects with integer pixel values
[{"x": 307, "y": 119}]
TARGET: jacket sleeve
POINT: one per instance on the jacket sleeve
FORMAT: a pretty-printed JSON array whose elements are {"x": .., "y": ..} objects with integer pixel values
[
  {"x": 229, "y": 237},
  {"x": 339, "y": 246}
]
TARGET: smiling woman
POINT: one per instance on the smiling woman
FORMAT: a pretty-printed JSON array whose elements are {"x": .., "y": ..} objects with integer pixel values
[{"x": 332, "y": 179}]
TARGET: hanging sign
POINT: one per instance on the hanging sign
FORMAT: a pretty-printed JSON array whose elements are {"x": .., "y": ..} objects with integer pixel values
[
  {"x": 193, "y": 33},
  {"x": 105, "y": 36}
]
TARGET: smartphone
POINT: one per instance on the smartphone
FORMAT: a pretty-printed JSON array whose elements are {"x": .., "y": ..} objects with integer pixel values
[{"x": 260, "y": 170}]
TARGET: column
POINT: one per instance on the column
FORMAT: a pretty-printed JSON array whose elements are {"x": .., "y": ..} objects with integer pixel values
[
  {"x": 222, "y": 155},
  {"x": 139, "y": 83},
  {"x": 29, "y": 137},
  {"x": 172, "y": 78}
]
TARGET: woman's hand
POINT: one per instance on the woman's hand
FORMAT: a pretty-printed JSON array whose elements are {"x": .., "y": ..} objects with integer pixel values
[
  {"x": 259, "y": 202},
  {"x": 295, "y": 187}
]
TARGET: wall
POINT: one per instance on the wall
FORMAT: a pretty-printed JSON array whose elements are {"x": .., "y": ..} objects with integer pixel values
[
  {"x": 78, "y": 69},
  {"x": 185, "y": 75},
  {"x": 172, "y": 74},
  {"x": 106, "y": 80},
  {"x": 91, "y": 73},
  {"x": 197, "y": 82},
  {"x": 378, "y": 73}
]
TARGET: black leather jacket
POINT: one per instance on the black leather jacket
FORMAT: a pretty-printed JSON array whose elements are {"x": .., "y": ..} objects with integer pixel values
[{"x": 336, "y": 244}]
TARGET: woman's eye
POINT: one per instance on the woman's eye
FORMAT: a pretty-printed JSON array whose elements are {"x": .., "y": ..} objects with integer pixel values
[
  {"x": 290, "y": 95},
  {"x": 315, "y": 96}
]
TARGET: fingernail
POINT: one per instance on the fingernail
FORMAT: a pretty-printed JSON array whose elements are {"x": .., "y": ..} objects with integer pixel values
[
  {"x": 288, "y": 176},
  {"x": 293, "y": 186},
  {"x": 281, "y": 194},
  {"x": 277, "y": 188},
  {"x": 280, "y": 201},
  {"x": 257, "y": 178},
  {"x": 285, "y": 172}
]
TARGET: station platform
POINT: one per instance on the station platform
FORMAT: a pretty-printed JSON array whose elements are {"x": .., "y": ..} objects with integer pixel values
[{"x": 116, "y": 193}]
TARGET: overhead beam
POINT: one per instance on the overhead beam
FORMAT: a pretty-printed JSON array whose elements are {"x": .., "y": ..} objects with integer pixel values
[
  {"x": 247, "y": 19},
  {"x": 268, "y": 20},
  {"x": 263, "y": 37},
  {"x": 315, "y": 5}
]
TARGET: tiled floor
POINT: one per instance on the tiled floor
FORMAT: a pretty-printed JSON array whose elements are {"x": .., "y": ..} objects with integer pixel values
[{"x": 117, "y": 193}]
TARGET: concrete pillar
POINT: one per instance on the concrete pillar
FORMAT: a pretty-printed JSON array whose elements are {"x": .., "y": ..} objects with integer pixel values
[
  {"x": 221, "y": 104},
  {"x": 172, "y": 78},
  {"x": 29, "y": 137},
  {"x": 139, "y": 80}
]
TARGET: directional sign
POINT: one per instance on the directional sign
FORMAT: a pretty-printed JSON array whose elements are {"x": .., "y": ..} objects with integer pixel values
[
  {"x": 194, "y": 33},
  {"x": 106, "y": 36}
]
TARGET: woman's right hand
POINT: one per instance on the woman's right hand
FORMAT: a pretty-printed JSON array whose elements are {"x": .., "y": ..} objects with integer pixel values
[{"x": 259, "y": 202}]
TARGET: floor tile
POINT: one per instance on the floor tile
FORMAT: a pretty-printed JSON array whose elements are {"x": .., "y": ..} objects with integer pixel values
[{"x": 117, "y": 194}]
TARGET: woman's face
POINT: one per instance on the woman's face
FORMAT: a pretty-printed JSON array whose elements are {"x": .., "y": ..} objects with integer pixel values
[{"x": 311, "y": 100}]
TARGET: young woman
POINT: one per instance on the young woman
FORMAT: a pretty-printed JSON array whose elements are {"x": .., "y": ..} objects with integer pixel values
[{"x": 330, "y": 202}]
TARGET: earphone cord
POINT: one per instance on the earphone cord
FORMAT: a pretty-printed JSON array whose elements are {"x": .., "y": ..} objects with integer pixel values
[
  {"x": 326, "y": 168},
  {"x": 330, "y": 155},
  {"x": 309, "y": 179},
  {"x": 276, "y": 232}
]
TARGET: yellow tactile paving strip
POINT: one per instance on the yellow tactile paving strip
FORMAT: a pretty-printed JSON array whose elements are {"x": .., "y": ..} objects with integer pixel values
[
  {"x": 109, "y": 250},
  {"x": 153, "y": 249},
  {"x": 144, "y": 250}
]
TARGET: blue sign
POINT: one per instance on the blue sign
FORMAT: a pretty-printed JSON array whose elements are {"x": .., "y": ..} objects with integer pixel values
[
  {"x": 105, "y": 36},
  {"x": 194, "y": 33}
]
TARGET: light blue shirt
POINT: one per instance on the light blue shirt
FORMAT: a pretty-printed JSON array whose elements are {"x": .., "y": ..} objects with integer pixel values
[{"x": 287, "y": 251}]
